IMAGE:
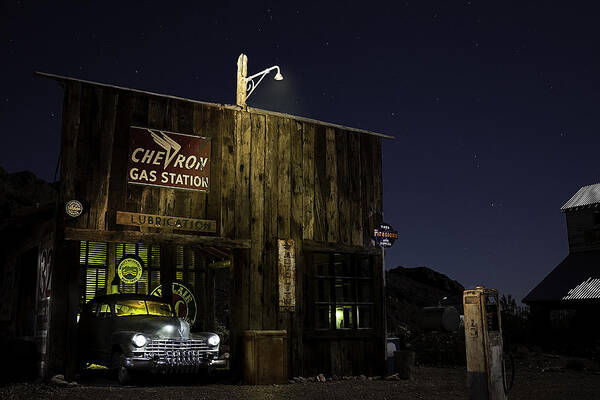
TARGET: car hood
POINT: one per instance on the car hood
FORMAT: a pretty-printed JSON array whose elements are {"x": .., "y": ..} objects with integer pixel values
[{"x": 156, "y": 327}]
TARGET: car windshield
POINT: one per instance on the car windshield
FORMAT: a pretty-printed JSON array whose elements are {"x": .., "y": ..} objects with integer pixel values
[{"x": 142, "y": 307}]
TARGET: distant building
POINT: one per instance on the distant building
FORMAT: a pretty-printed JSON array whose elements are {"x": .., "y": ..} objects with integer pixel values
[{"x": 568, "y": 299}]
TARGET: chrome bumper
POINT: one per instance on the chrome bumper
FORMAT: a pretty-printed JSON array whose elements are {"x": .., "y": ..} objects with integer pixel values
[{"x": 174, "y": 364}]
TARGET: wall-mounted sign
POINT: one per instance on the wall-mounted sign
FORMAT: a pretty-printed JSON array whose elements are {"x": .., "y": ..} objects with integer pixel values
[
  {"x": 167, "y": 159},
  {"x": 74, "y": 208},
  {"x": 166, "y": 222},
  {"x": 385, "y": 235},
  {"x": 130, "y": 269},
  {"x": 46, "y": 257},
  {"x": 287, "y": 274},
  {"x": 184, "y": 301}
]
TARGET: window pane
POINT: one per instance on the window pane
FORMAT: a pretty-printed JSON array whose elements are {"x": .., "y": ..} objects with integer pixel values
[
  {"x": 143, "y": 253},
  {"x": 143, "y": 283},
  {"x": 343, "y": 317},
  {"x": 104, "y": 310},
  {"x": 191, "y": 279},
  {"x": 130, "y": 307},
  {"x": 154, "y": 279},
  {"x": 179, "y": 256},
  {"x": 130, "y": 248},
  {"x": 155, "y": 262},
  {"x": 127, "y": 287},
  {"x": 159, "y": 308},
  {"x": 323, "y": 290},
  {"x": 364, "y": 267},
  {"x": 343, "y": 265},
  {"x": 82, "y": 252},
  {"x": 97, "y": 253},
  {"x": 364, "y": 317},
  {"x": 344, "y": 290},
  {"x": 322, "y": 317},
  {"x": 321, "y": 261},
  {"x": 365, "y": 293}
]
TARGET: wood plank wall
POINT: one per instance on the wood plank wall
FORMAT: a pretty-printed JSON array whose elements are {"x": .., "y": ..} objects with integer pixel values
[
  {"x": 578, "y": 223},
  {"x": 271, "y": 177}
]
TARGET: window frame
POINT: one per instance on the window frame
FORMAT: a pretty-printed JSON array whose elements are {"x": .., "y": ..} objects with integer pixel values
[
  {"x": 86, "y": 266},
  {"x": 332, "y": 278}
]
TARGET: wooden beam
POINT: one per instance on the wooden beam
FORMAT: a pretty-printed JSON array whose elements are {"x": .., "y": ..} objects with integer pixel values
[
  {"x": 311, "y": 245},
  {"x": 220, "y": 264},
  {"x": 153, "y": 238}
]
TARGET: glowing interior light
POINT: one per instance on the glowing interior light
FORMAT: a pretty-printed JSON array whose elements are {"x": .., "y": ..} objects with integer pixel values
[{"x": 339, "y": 317}]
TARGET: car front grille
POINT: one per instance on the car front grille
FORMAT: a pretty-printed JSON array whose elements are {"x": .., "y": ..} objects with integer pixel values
[
  {"x": 162, "y": 347},
  {"x": 175, "y": 354}
]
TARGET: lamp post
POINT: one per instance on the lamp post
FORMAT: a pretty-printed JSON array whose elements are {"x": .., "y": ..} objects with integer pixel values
[{"x": 247, "y": 84}]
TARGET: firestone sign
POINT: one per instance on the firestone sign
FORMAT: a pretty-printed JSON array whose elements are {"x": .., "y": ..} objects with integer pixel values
[
  {"x": 167, "y": 159},
  {"x": 385, "y": 235}
]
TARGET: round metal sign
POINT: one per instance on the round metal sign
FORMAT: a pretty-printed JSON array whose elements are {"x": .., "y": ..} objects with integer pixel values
[
  {"x": 130, "y": 269},
  {"x": 385, "y": 235},
  {"x": 74, "y": 208},
  {"x": 184, "y": 301}
]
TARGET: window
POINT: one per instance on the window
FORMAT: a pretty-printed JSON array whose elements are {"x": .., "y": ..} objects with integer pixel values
[
  {"x": 150, "y": 278},
  {"x": 591, "y": 236},
  {"x": 343, "y": 291},
  {"x": 142, "y": 307},
  {"x": 104, "y": 311},
  {"x": 93, "y": 258},
  {"x": 185, "y": 271},
  {"x": 130, "y": 307}
]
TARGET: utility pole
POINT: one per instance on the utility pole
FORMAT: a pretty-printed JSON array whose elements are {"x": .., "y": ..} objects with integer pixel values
[{"x": 242, "y": 72}]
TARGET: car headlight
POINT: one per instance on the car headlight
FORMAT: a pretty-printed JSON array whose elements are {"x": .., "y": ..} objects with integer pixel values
[
  {"x": 214, "y": 340},
  {"x": 139, "y": 340}
]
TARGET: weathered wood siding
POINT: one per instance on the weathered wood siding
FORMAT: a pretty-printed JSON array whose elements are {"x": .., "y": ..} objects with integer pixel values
[
  {"x": 271, "y": 177},
  {"x": 583, "y": 229}
]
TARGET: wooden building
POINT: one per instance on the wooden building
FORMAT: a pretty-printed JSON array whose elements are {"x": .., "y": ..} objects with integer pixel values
[
  {"x": 271, "y": 182},
  {"x": 565, "y": 303}
]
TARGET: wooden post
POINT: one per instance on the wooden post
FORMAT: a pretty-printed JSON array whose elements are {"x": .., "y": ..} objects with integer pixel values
[
  {"x": 242, "y": 71},
  {"x": 404, "y": 363},
  {"x": 168, "y": 262},
  {"x": 210, "y": 299}
]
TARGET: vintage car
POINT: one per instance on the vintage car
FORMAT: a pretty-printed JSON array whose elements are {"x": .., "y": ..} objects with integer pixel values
[{"x": 131, "y": 332}]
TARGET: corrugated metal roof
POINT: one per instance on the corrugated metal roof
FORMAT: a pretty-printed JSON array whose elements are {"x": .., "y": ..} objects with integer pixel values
[
  {"x": 588, "y": 289},
  {"x": 585, "y": 196},
  {"x": 577, "y": 277}
]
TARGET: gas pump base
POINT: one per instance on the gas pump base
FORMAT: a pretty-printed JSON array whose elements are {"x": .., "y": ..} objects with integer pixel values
[{"x": 483, "y": 340}]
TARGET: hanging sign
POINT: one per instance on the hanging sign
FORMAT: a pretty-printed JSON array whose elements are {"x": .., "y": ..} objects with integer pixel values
[
  {"x": 287, "y": 274},
  {"x": 385, "y": 235},
  {"x": 167, "y": 159},
  {"x": 166, "y": 222},
  {"x": 74, "y": 208},
  {"x": 130, "y": 269},
  {"x": 184, "y": 301}
]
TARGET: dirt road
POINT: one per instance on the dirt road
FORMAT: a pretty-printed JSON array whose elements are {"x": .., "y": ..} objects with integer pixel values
[{"x": 429, "y": 384}]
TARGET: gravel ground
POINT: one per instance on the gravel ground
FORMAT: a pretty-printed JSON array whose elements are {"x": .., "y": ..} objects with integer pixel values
[{"x": 429, "y": 383}]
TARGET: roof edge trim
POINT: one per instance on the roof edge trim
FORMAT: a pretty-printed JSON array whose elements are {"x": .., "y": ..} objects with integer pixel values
[{"x": 62, "y": 78}]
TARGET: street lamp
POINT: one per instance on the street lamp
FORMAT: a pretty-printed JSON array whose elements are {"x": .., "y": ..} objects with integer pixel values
[{"x": 246, "y": 85}]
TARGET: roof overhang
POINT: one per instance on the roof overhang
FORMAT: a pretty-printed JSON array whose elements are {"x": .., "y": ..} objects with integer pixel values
[{"x": 63, "y": 79}]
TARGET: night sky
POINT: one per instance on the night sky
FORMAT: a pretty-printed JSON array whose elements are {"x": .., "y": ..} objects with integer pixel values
[{"x": 494, "y": 107}]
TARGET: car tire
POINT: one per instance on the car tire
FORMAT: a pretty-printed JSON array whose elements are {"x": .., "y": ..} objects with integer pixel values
[{"x": 123, "y": 373}]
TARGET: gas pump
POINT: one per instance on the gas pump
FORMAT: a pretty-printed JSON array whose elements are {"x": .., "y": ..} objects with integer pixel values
[{"x": 483, "y": 339}]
